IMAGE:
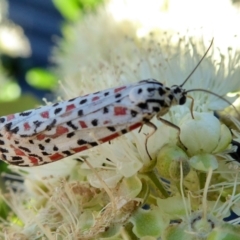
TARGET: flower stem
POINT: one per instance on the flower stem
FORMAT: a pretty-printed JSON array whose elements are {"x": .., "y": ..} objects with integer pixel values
[
  {"x": 202, "y": 179},
  {"x": 157, "y": 183}
]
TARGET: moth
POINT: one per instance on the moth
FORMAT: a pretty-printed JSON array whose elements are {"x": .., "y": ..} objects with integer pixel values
[{"x": 50, "y": 133}]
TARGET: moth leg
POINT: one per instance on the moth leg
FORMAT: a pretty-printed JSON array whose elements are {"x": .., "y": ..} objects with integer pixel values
[
  {"x": 170, "y": 124},
  {"x": 154, "y": 127},
  {"x": 140, "y": 129}
]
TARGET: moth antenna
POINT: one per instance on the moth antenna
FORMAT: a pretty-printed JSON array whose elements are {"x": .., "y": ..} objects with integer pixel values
[
  {"x": 197, "y": 64},
  {"x": 215, "y": 94}
]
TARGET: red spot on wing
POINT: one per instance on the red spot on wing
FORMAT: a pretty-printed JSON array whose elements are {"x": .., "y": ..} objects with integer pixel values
[
  {"x": 10, "y": 117},
  {"x": 26, "y": 126},
  {"x": 109, "y": 137},
  {"x": 79, "y": 149},
  {"x": 33, "y": 160},
  {"x": 65, "y": 114},
  {"x": 95, "y": 98},
  {"x": 83, "y": 124},
  {"x": 41, "y": 136},
  {"x": 106, "y": 122},
  {"x": 19, "y": 152},
  {"x": 60, "y": 130},
  {"x": 117, "y": 134},
  {"x": 56, "y": 156},
  {"x": 116, "y": 90},
  {"x": 45, "y": 114},
  {"x": 70, "y": 107},
  {"x": 120, "y": 111}
]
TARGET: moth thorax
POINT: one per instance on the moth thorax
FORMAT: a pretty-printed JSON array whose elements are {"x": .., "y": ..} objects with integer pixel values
[{"x": 179, "y": 95}]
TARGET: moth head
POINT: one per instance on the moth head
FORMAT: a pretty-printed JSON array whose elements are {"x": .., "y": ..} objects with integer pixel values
[{"x": 179, "y": 95}]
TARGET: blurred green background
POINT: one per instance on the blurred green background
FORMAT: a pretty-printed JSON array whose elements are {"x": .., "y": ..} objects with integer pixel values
[{"x": 26, "y": 76}]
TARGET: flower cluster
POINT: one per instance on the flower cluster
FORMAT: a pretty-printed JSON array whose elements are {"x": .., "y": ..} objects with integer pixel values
[{"x": 114, "y": 191}]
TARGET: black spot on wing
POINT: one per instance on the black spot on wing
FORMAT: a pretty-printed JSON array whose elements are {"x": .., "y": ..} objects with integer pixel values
[
  {"x": 8, "y": 126},
  {"x": 55, "y": 148},
  {"x": 51, "y": 125},
  {"x": 41, "y": 147},
  {"x": 81, "y": 142},
  {"x": 80, "y": 112},
  {"x": 94, "y": 122},
  {"x": 112, "y": 129},
  {"x": 2, "y": 119},
  {"x": 71, "y": 100},
  {"x": 93, "y": 144},
  {"x": 45, "y": 154},
  {"x": 25, "y": 149},
  {"x": 37, "y": 123},
  {"x": 134, "y": 113},
  {"x": 15, "y": 130},
  {"x": 71, "y": 134},
  {"x": 3, "y": 150},
  {"x": 105, "y": 110},
  {"x": 67, "y": 153},
  {"x": 124, "y": 131},
  {"x": 83, "y": 101},
  {"x": 143, "y": 105},
  {"x": 25, "y": 113},
  {"x": 70, "y": 124},
  {"x": 57, "y": 110},
  {"x": 16, "y": 158}
]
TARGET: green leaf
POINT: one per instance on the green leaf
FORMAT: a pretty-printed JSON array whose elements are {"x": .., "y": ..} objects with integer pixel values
[
  {"x": 69, "y": 9},
  {"x": 25, "y": 102},
  {"x": 72, "y": 10},
  {"x": 41, "y": 78}
]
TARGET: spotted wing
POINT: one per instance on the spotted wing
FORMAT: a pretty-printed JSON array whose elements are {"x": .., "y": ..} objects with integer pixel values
[{"x": 53, "y": 132}]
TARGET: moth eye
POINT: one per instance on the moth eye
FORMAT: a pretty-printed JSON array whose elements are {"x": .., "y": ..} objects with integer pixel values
[{"x": 182, "y": 100}]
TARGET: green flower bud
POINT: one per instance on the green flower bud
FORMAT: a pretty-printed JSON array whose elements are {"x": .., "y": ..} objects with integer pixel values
[{"x": 168, "y": 162}]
